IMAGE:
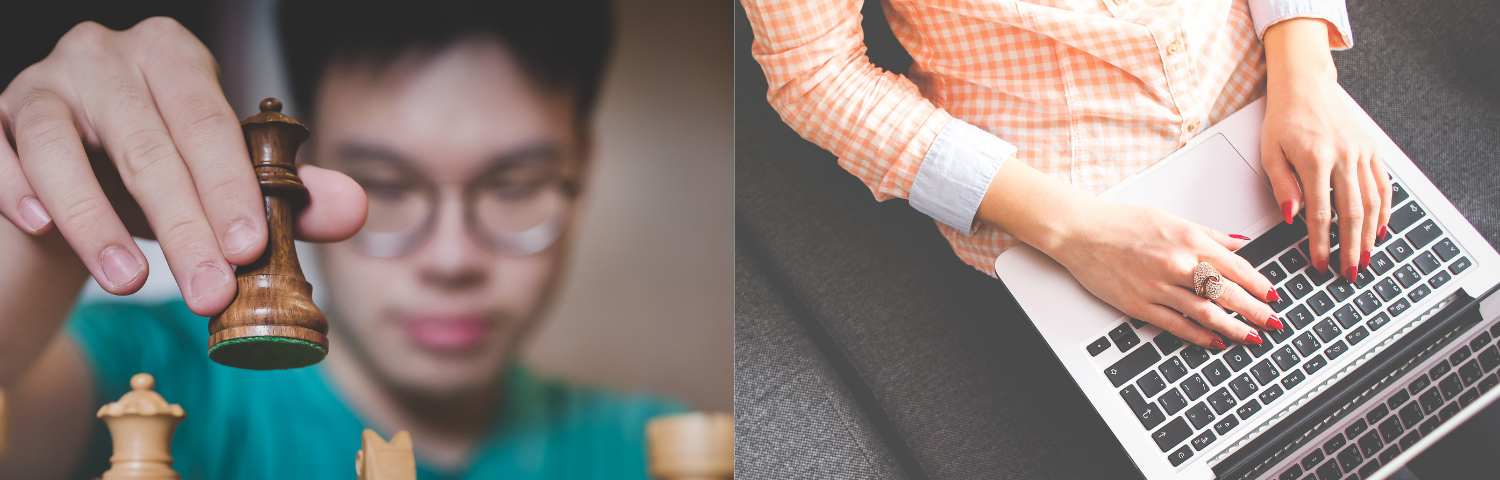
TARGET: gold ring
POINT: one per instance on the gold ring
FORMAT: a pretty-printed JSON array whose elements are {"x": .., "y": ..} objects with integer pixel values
[{"x": 1207, "y": 282}]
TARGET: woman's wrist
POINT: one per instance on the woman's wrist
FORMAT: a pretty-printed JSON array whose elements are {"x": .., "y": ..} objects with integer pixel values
[
  {"x": 1298, "y": 58},
  {"x": 1037, "y": 209}
]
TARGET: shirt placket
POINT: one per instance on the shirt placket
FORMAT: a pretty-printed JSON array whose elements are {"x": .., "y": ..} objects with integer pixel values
[{"x": 1178, "y": 65}]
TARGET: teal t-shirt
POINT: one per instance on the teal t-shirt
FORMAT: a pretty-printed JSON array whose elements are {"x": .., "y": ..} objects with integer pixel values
[{"x": 251, "y": 425}]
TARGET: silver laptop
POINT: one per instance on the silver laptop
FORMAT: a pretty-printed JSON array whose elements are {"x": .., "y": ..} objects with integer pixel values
[{"x": 1368, "y": 372}]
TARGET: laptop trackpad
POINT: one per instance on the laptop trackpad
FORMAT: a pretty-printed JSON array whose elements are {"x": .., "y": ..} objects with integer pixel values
[{"x": 1211, "y": 184}]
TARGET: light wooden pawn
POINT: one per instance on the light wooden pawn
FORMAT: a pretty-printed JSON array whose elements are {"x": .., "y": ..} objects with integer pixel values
[
  {"x": 141, "y": 426},
  {"x": 692, "y": 446},
  {"x": 381, "y": 460}
]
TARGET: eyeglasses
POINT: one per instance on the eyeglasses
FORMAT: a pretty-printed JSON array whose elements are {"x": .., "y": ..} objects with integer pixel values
[{"x": 518, "y": 207}]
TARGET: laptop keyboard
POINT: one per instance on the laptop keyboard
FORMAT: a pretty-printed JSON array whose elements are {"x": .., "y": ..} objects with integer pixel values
[
  {"x": 1189, "y": 397},
  {"x": 1405, "y": 415}
]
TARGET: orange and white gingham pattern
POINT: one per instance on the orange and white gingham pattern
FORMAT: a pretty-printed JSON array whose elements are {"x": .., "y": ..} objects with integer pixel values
[{"x": 1088, "y": 91}]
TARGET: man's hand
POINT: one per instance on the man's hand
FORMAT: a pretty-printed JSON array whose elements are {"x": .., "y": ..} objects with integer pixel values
[
  {"x": 128, "y": 132},
  {"x": 1317, "y": 154}
]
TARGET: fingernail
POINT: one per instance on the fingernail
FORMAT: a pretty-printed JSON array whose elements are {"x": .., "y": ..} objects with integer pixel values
[
  {"x": 239, "y": 238},
  {"x": 1241, "y": 237},
  {"x": 1380, "y": 234},
  {"x": 208, "y": 279},
  {"x": 1286, "y": 210},
  {"x": 120, "y": 267},
  {"x": 1252, "y": 338},
  {"x": 1364, "y": 260},
  {"x": 1351, "y": 272},
  {"x": 1272, "y": 296},
  {"x": 1218, "y": 344},
  {"x": 1322, "y": 266},
  {"x": 34, "y": 215},
  {"x": 1273, "y": 324}
]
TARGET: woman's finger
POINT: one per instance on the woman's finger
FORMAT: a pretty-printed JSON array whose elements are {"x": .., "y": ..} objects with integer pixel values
[
  {"x": 1235, "y": 269},
  {"x": 1319, "y": 212},
  {"x": 1283, "y": 178},
  {"x": 1208, "y": 314},
  {"x": 1178, "y": 325},
  {"x": 1383, "y": 185},
  {"x": 52, "y": 155},
  {"x": 1369, "y": 193},
  {"x": 1230, "y": 241},
  {"x": 183, "y": 79},
  {"x": 18, "y": 201},
  {"x": 1350, "y": 205},
  {"x": 1253, "y": 309}
]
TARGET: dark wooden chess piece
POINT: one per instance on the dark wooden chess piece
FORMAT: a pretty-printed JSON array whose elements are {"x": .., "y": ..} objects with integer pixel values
[{"x": 272, "y": 322}]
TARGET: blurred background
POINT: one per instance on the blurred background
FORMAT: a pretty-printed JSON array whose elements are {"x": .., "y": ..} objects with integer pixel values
[{"x": 647, "y": 298}]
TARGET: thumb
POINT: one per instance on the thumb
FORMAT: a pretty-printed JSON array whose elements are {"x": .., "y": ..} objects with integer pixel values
[
  {"x": 336, "y": 206},
  {"x": 1283, "y": 180}
]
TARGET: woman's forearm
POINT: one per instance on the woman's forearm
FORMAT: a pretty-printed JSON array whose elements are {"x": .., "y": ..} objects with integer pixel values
[
  {"x": 1297, "y": 52},
  {"x": 1032, "y": 206},
  {"x": 39, "y": 284}
]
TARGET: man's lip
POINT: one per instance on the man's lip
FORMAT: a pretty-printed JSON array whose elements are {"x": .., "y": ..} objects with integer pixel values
[{"x": 446, "y": 333}]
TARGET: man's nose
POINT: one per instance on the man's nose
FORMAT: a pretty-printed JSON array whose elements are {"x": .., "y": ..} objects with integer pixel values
[{"x": 450, "y": 259}]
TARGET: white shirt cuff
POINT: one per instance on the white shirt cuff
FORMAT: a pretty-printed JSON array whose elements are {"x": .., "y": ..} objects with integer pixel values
[
  {"x": 1265, "y": 13},
  {"x": 956, "y": 172}
]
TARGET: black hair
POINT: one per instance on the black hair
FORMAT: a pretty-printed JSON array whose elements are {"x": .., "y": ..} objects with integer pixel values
[{"x": 561, "y": 44}]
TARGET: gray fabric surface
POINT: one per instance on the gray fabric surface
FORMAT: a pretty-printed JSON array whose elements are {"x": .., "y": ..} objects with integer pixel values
[
  {"x": 939, "y": 358},
  {"x": 796, "y": 420}
]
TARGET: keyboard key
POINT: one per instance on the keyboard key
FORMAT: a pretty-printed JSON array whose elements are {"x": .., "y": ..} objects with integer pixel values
[
  {"x": 1299, "y": 287},
  {"x": 1416, "y": 295},
  {"x": 1194, "y": 356},
  {"x": 1202, "y": 441},
  {"x": 1265, "y": 373},
  {"x": 1282, "y": 301},
  {"x": 1221, "y": 400},
  {"x": 1334, "y": 444},
  {"x": 1480, "y": 341},
  {"x": 1404, "y": 217},
  {"x": 1371, "y": 467},
  {"x": 1441, "y": 368},
  {"x": 1379, "y": 321},
  {"x": 1271, "y": 394},
  {"x": 1299, "y": 317},
  {"x": 1330, "y": 470},
  {"x": 1291, "y": 380},
  {"x": 1243, "y": 387},
  {"x": 1127, "y": 341},
  {"x": 1388, "y": 289},
  {"x": 1407, "y": 276},
  {"x": 1314, "y": 364},
  {"x": 1133, "y": 398},
  {"x": 1263, "y": 348},
  {"x": 1488, "y": 383},
  {"x": 1495, "y": 330},
  {"x": 1459, "y": 265},
  {"x": 1410, "y": 414},
  {"x": 1273, "y": 272},
  {"x": 1391, "y": 428},
  {"x": 1432, "y": 423},
  {"x": 1172, "y": 402},
  {"x": 1468, "y": 397},
  {"x": 1318, "y": 278},
  {"x": 1428, "y": 263},
  {"x": 1451, "y": 386},
  {"x": 1326, "y": 330},
  {"x": 1273, "y": 241},
  {"x": 1398, "y": 193},
  {"x": 1291, "y": 473},
  {"x": 1448, "y": 412},
  {"x": 1226, "y": 424},
  {"x": 1293, "y": 260},
  {"x": 1098, "y": 347},
  {"x": 1431, "y": 400},
  {"x": 1194, "y": 387},
  {"x": 1369, "y": 445},
  {"x": 1248, "y": 409},
  {"x": 1367, "y": 302},
  {"x": 1285, "y": 358},
  {"x": 1172, "y": 434},
  {"x": 1357, "y": 335},
  {"x": 1364, "y": 278},
  {"x": 1341, "y": 290},
  {"x": 1390, "y": 454},
  {"x": 1200, "y": 415},
  {"x": 1320, "y": 303},
  {"x": 1438, "y": 280},
  {"x": 1350, "y": 458},
  {"x": 1216, "y": 372},
  {"x": 1381, "y": 263},
  {"x": 1489, "y": 358},
  {"x": 1418, "y": 384},
  {"x": 1334, "y": 350},
  {"x": 1306, "y": 344},
  {"x": 1119, "y": 331},
  {"x": 1399, "y": 250},
  {"x": 1398, "y": 399},
  {"x": 1181, "y": 455},
  {"x": 1410, "y": 439},
  {"x": 1167, "y": 343},
  {"x": 1458, "y": 356},
  {"x": 1151, "y": 384},
  {"x": 1424, "y": 234},
  {"x": 1377, "y": 413},
  {"x": 1280, "y": 336},
  {"x": 1399, "y": 307},
  {"x": 1133, "y": 364},
  {"x": 1238, "y": 358},
  {"x": 1446, "y": 249},
  {"x": 1312, "y": 460},
  {"x": 1346, "y": 316},
  {"x": 1138, "y": 323},
  {"x": 1173, "y": 369}
]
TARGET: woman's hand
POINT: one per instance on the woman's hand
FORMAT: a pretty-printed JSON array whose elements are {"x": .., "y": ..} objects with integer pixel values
[
  {"x": 1139, "y": 260},
  {"x": 1317, "y": 154},
  {"x": 128, "y": 132}
]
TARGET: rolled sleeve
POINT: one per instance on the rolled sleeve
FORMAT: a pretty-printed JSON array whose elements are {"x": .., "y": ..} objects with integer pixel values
[
  {"x": 956, "y": 172},
  {"x": 1266, "y": 13}
]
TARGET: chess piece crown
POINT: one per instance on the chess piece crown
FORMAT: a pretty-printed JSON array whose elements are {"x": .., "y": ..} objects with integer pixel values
[{"x": 141, "y": 425}]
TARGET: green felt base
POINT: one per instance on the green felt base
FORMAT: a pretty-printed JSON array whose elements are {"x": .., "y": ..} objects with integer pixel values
[{"x": 266, "y": 353}]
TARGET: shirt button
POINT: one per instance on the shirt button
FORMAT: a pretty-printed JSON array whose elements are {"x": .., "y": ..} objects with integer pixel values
[
  {"x": 1193, "y": 127},
  {"x": 1174, "y": 48},
  {"x": 1120, "y": 2}
]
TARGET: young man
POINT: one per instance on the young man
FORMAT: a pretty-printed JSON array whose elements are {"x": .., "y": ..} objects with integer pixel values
[{"x": 465, "y": 132}]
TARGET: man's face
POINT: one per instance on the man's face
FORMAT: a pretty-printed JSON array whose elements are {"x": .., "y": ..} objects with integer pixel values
[{"x": 443, "y": 314}]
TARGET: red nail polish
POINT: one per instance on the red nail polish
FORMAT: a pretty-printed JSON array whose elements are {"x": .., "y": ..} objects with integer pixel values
[
  {"x": 1380, "y": 235},
  {"x": 1364, "y": 260},
  {"x": 1241, "y": 237},
  {"x": 1352, "y": 272},
  {"x": 1273, "y": 324},
  {"x": 1322, "y": 266},
  {"x": 1252, "y": 338},
  {"x": 1218, "y": 344},
  {"x": 1272, "y": 296},
  {"x": 1286, "y": 210}
]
